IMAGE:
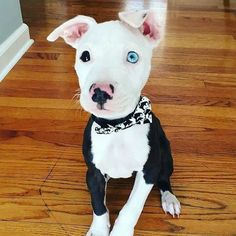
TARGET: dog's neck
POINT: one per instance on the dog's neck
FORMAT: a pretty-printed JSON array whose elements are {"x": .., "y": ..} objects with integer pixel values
[{"x": 141, "y": 115}]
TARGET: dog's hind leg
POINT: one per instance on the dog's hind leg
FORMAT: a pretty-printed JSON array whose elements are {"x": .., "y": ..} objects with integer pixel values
[
  {"x": 129, "y": 215},
  {"x": 97, "y": 186},
  {"x": 170, "y": 203}
]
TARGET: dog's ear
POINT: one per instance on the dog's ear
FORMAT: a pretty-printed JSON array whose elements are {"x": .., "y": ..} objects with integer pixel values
[
  {"x": 146, "y": 21},
  {"x": 72, "y": 30}
]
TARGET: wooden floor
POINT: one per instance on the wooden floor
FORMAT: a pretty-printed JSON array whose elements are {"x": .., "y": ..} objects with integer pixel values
[{"x": 193, "y": 91}]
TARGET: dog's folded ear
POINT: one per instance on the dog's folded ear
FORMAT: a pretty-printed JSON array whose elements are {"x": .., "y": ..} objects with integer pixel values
[
  {"x": 146, "y": 21},
  {"x": 72, "y": 30}
]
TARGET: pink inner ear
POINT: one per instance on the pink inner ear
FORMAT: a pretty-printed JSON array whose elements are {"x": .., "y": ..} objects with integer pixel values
[
  {"x": 146, "y": 29},
  {"x": 74, "y": 32},
  {"x": 151, "y": 29}
]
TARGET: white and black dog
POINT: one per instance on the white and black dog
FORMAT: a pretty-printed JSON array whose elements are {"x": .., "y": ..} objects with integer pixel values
[{"x": 123, "y": 137}]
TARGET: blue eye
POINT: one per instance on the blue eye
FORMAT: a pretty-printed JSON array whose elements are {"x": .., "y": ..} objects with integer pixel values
[{"x": 132, "y": 57}]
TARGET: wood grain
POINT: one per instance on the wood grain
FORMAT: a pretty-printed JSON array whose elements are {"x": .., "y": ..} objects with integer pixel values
[{"x": 193, "y": 91}]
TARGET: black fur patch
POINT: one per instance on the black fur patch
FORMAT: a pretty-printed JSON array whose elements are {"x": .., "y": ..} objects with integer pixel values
[
  {"x": 95, "y": 180},
  {"x": 159, "y": 166}
]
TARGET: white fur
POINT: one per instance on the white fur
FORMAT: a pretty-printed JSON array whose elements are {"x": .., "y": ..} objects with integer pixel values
[
  {"x": 100, "y": 225},
  {"x": 120, "y": 154},
  {"x": 108, "y": 65},
  {"x": 130, "y": 213},
  {"x": 108, "y": 44}
]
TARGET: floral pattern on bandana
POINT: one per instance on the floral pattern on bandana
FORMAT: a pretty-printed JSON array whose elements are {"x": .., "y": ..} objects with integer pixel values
[{"x": 141, "y": 115}]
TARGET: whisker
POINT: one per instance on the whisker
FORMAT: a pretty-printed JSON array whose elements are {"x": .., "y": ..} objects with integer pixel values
[{"x": 77, "y": 95}]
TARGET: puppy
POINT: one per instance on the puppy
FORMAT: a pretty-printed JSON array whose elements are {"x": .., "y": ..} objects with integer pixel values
[{"x": 123, "y": 137}]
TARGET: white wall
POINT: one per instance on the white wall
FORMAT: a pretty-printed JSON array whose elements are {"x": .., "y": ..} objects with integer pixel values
[
  {"x": 10, "y": 18},
  {"x": 14, "y": 35}
]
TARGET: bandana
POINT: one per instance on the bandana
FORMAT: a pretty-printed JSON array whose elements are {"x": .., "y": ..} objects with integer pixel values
[{"x": 141, "y": 115}]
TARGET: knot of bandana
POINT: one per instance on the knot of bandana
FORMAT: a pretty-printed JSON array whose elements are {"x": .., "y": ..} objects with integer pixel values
[{"x": 141, "y": 115}]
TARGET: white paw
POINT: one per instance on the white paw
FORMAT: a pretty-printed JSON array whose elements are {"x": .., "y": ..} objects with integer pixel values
[
  {"x": 122, "y": 230},
  {"x": 170, "y": 203},
  {"x": 100, "y": 226},
  {"x": 95, "y": 232}
]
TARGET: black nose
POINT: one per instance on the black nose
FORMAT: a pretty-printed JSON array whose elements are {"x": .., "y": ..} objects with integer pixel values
[{"x": 100, "y": 96}]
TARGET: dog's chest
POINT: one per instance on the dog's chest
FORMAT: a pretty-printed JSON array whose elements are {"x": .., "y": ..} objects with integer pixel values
[{"x": 120, "y": 154}]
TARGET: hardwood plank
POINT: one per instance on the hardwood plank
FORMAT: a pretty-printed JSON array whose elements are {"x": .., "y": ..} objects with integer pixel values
[
  {"x": 35, "y": 229},
  {"x": 192, "y": 87}
]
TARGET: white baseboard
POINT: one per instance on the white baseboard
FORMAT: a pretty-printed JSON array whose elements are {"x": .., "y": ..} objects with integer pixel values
[{"x": 13, "y": 48}]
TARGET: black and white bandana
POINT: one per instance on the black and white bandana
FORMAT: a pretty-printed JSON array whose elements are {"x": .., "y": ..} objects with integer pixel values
[{"x": 141, "y": 115}]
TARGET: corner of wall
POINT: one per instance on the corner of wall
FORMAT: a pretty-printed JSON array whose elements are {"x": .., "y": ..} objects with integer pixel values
[{"x": 13, "y": 48}]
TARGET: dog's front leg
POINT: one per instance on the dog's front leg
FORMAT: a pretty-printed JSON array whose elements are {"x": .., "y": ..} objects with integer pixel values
[
  {"x": 129, "y": 215},
  {"x": 97, "y": 187}
]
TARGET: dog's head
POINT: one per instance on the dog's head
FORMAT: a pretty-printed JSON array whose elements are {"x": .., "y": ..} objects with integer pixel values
[{"x": 113, "y": 59}]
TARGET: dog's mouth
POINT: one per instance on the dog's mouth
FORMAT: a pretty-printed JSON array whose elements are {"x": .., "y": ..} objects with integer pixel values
[
  {"x": 100, "y": 106},
  {"x": 116, "y": 107}
]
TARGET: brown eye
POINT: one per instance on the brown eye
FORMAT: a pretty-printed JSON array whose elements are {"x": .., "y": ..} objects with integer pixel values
[{"x": 85, "y": 57}]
